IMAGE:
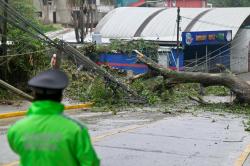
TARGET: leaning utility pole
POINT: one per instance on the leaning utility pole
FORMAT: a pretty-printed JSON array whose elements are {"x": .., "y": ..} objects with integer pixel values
[
  {"x": 178, "y": 34},
  {"x": 4, "y": 34},
  {"x": 15, "y": 90}
]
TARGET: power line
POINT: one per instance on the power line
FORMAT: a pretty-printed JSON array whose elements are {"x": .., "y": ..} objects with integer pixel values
[
  {"x": 211, "y": 23},
  {"x": 192, "y": 69},
  {"x": 220, "y": 53},
  {"x": 28, "y": 53}
]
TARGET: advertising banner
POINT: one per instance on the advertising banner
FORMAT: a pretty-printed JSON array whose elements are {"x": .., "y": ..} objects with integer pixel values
[{"x": 206, "y": 37}]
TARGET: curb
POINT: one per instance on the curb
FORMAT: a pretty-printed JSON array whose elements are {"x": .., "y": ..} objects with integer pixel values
[
  {"x": 55, "y": 34},
  {"x": 243, "y": 157},
  {"x": 84, "y": 106}
]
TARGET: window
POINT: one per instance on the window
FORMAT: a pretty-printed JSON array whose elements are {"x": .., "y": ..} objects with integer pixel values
[
  {"x": 50, "y": 2},
  {"x": 40, "y": 14}
]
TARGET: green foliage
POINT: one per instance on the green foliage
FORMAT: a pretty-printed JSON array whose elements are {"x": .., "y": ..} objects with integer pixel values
[
  {"x": 230, "y": 108},
  {"x": 5, "y": 95},
  {"x": 49, "y": 28},
  {"x": 151, "y": 97},
  {"x": 217, "y": 91},
  {"x": 87, "y": 87},
  {"x": 25, "y": 7},
  {"x": 144, "y": 89},
  {"x": 30, "y": 55},
  {"x": 247, "y": 125},
  {"x": 90, "y": 50},
  {"x": 150, "y": 49}
]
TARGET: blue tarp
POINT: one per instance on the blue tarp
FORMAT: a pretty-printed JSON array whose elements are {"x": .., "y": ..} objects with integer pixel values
[
  {"x": 173, "y": 59},
  {"x": 123, "y": 61}
]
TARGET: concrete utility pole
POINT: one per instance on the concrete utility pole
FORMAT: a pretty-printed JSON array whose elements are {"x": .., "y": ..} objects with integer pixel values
[
  {"x": 4, "y": 34},
  {"x": 178, "y": 34},
  {"x": 15, "y": 90}
]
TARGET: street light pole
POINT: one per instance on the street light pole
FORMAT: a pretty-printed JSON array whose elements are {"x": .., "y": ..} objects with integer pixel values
[{"x": 178, "y": 34}]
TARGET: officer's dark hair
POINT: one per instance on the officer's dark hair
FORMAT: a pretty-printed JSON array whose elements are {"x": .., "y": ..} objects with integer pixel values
[{"x": 47, "y": 94}]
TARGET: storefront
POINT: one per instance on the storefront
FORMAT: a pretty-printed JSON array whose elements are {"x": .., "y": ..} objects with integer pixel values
[{"x": 204, "y": 49}]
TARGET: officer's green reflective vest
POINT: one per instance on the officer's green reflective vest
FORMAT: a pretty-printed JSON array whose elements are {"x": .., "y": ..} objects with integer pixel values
[{"x": 45, "y": 137}]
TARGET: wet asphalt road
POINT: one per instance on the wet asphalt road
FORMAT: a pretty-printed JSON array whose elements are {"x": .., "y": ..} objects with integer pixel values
[
  {"x": 148, "y": 137},
  {"x": 177, "y": 141}
]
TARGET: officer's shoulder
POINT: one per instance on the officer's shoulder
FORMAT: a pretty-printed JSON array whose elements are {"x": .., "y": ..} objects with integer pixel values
[
  {"x": 20, "y": 124},
  {"x": 74, "y": 122}
]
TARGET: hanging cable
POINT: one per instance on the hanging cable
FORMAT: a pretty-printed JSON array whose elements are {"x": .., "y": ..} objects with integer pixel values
[
  {"x": 28, "y": 53},
  {"x": 220, "y": 53},
  {"x": 211, "y": 23},
  {"x": 237, "y": 37},
  {"x": 214, "y": 57}
]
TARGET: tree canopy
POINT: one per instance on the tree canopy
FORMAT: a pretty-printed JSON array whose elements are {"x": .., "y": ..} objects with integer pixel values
[{"x": 25, "y": 54}]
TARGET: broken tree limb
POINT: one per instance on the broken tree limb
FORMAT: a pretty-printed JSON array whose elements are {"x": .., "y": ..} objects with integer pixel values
[
  {"x": 240, "y": 87},
  {"x": 94, "y": 68},
  {"x": 15, "y": 90},
  {"x": 147, "y": 75},
  {"x": 198, "y": 99}
]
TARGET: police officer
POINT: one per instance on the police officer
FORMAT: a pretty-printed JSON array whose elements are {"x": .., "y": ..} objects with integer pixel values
[{"x": 46, "y": 137}]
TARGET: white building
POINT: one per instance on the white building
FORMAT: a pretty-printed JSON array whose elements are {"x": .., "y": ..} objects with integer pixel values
[
  {"x": 59, "y": 11},
  {"x": 159, "y": 24}
]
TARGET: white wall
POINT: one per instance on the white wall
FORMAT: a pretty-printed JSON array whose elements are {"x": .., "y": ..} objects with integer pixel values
[
  {"x": 239, "y": 51},
  {"x": 63, "y": 12},
  {"x": 163, "y": 59},
  {"x": 163, "y": 53}
]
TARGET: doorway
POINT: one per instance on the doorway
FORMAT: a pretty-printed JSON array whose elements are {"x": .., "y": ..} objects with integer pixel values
[{"x": 54, "y": 17}]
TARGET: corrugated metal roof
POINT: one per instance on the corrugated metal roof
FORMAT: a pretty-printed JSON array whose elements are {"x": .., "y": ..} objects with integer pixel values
[
  {"x": 223, "y": 19},
  {"x": 164, "y": 25},
  {"x": 124, "y": 22}
]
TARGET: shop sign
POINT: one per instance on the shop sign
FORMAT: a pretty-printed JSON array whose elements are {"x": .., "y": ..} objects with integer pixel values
[{"x": 206, "y": 37}]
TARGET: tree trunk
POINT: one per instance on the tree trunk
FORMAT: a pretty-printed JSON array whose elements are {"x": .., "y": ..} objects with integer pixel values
[
  {"x": 81, "y": 23},
  {"x": 76, "y": 25},
  {"x": 239, "y": 87},
  {"x": 91, "y": 16}
]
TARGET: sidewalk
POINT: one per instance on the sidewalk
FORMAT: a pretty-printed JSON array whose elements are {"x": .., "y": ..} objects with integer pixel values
[{"x": 60, "y": 32}]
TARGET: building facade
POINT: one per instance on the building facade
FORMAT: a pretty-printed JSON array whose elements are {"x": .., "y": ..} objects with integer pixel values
[
  {"x": 232, "y": 49},
  {"x": 60, "y": 11},
  {"x": 186, "y": 3}
]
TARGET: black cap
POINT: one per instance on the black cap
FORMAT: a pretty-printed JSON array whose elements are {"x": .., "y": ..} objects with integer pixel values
[{"x": 50, "y": 79}]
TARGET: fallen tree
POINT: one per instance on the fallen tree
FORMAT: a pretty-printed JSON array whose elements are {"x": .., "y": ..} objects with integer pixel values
[{"x": 239, "y": 87}]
